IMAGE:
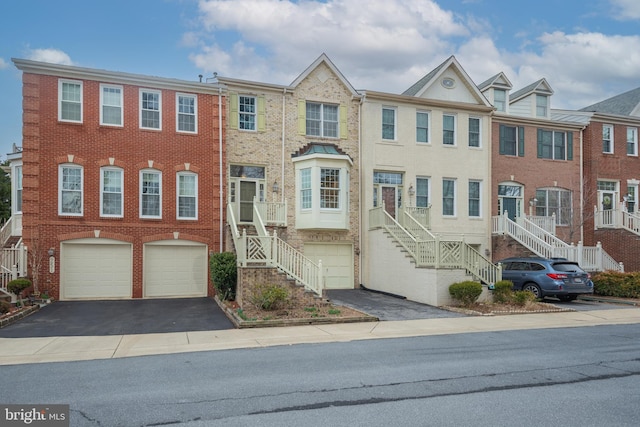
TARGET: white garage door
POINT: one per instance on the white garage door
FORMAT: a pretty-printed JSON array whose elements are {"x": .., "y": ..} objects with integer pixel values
[
  {"x": 337, "y": 262},
  {"x": 175, "y": 268},
  {"x": 95, "y": 269}
]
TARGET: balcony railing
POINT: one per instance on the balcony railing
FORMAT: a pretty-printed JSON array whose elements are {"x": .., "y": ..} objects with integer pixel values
[{"x": 272, "y": 213}]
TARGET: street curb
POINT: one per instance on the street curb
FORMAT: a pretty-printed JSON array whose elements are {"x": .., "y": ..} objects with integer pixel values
[
  {"x": 609, "y": 300},
  {"x": 19, "y": 315}
]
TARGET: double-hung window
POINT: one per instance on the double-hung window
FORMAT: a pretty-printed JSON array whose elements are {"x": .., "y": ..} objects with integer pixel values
[
  {"x": 542, "y": 104},
  {"x": 111, "y": 192},
  {"x": 448, "y": 129},
  {"x": 70, "y": 101},
  {"x": 389, "y": 123},
  {"x": 422, "y": 192},
  {"x": 306, "y": 195},
  {"x": 632, "y": 141},
  {"x": 607, "y": 139},
  {"x": 474, "y": 132},
  {"x": 422, "y": 126},
  {"x": 150, "y": 194},
  {"x": 474, "y": 198},
  {"x": 18, "y": 190},
  {"x": 187, "y": 195},
  {"x": 329, "y": 188},
  {"x": 500, "y": 99},
  {"x": 247, "y": 112},
  {"x": 556, "y": 201},
  {"x": 186, "y": 113},
  {"x": 70, "y": 185},
  {"x": 448, "y": 197},
  {"x": 111, "y": 113},
  {"x": 150, "y": 109},
  {"x": 322, "y": 120},
  {"x": 554, "y": 145}
]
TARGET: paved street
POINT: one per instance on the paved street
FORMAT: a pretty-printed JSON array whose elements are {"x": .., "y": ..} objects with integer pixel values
[{"x": 578, "y": 376}]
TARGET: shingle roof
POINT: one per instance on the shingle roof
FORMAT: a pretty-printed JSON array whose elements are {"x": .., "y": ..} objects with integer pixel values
[
  {"x": 417, "y": 86},
  {"x": 531, "y": 88},
  {"x": 625, "y": 104}
]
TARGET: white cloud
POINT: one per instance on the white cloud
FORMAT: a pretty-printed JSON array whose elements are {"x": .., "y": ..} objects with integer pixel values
[
  {"x": 3, "y": 64},
  {"x": 389, "y": 45},
  {"x": 54, "y": 56},
  {"x": 626, "y": 10}
]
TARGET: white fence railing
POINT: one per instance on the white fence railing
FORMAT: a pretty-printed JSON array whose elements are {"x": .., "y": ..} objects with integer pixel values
[
  {"x": 273, "y": 213},
  {"x": 590, "y": 258},
  {"x": 631, "y": 222},
  {"x": 435, "y": 252},
  {"x": 13, "y": 264},
  {"x": 547, "y": 223},
  {"x": 274, "y": 252}
]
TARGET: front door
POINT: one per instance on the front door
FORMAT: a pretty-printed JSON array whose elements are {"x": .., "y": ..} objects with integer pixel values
[
  {"x": 510, "y": 204},
  {"x": 246, "y": 196},
  {"x": 607, "y": 205},
  {"x": 389, "y": 199}
]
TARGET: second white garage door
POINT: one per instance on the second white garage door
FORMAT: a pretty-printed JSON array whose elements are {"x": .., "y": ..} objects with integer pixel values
[
  {"x": 95, "y": 269},
  {"x": 337, "y": 262},
  {"x": 175, "y": 268}
]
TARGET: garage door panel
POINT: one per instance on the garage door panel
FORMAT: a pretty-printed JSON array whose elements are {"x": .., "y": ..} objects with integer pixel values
[
  {"x": 172, "y": 271},
  {"x": 337, "y": 262},
  {"x": 96, "y": 271}
]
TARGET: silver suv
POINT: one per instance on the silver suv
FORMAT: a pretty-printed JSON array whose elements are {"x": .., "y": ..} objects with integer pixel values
[{"x": 544, "y": 277}]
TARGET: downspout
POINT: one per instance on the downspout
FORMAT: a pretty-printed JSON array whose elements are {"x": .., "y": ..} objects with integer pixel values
[
  {"x": 284, "y": 92},
  {"x": 222, "y": 207},
  {"x": 582, "y": 185},
  {"x": 360, "y": 195}
]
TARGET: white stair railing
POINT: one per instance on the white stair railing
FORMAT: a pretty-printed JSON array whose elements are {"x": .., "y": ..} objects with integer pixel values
[
  {"x": 631, "y": 222},
  {"x": 273, "y": 213}
]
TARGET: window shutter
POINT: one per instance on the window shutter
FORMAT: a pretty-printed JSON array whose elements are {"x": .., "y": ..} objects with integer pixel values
[
  {"x": 302, "y": 117},
  {"x": 233, "y": 110},
  {"x": 569, "y": 145},
  {"x": 262, "y": 125},
  {"x": 343, "y": 122},
  {"x": 521, "y": 141},
  {"x": 539, "y": 143},
  {"x": 502, "y": 150}
]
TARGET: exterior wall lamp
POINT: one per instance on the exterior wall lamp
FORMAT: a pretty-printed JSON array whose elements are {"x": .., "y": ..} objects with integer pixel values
[{"x": 275, "y": 187}]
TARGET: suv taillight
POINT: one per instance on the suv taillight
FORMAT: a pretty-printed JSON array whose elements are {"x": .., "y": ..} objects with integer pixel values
[{"x": 557, "y": 276}]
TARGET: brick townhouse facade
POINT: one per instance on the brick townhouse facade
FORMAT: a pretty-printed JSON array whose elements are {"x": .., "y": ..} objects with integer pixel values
[{"x": 121, "y": 183}]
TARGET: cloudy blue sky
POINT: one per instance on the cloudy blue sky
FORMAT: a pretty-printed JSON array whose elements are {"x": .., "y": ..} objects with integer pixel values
[{"x": 588, "y": 50}]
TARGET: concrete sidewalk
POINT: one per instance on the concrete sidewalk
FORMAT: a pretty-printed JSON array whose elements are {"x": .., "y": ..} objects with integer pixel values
[{"x": 58, "y": 349}]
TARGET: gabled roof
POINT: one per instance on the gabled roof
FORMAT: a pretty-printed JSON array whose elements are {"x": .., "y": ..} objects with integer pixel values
[
  {"x": 539, "y": 87},
  {"x": 324, "y": 59},
  {"x": 625, "y": 104},
  {"x": 418, "y": 88},
  {"x": 500, "y": 81}
]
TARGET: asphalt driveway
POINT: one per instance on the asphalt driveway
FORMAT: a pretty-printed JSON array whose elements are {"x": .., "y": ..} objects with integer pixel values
[{"x": 140, "y": 316}]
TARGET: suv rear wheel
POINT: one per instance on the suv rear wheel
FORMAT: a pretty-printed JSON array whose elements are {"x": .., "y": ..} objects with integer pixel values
[{"x": 534, "y": 289}]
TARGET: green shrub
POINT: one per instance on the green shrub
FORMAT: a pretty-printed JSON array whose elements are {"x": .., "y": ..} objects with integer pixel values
[
  {"x": 523, "y": 298},
  {"x": 18, "y": 285},
  {"x": 466, "y": 293},
  {"x": 5, "y": 307},
  {"x": 224, "y": 274},
  {"x": 503, "y": 291},
  {"x": 616, "y": 284},
  {"x": 269, "y": 297}
]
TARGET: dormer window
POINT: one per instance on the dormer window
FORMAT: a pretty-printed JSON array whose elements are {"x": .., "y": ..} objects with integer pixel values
[
  {"x": 500, "y": 99},
  {"x": 542, "y": 105}
]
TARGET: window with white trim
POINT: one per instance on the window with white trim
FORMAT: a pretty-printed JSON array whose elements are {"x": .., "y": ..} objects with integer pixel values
[
  {"x": 70, "y": 190},
  {"x": 186, "y": 113},
  {"x": 247, "y": 112},
  {"x": 305, "y": 189},
  {"x": 500, "y": 99},
  {"x": 474, "y": 132},
  {"x": 474, "y": 198},
  {"x": 329, "y": 188},
  {"x": 542, "y": 105},
  {"x": 422, "y": 192},
  {"x": 448, "y": 129},
  {"x": 511, "y": 141},
  {"x": 70, "y": 101},
  {"x": 150, "y": 109},
  {"x": 556, "y": 201},
  {"x": 187, "y": 183},
  {"x": 554, "y": 145},
  {"x": 322, "y": 120},
  {"x": 18, "y": 190},
  {"x": 422, "y": 126},
  {"x": 111, "y": 192},
  {"x": 389, "y": 123},
  {"x": 449, "y": 197},
  {"x": 111, "y": 105},
  {"x": 150, "y": 193},
  {"x": 607, "y": 139},
  {"x": 632, "y": 141}
]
